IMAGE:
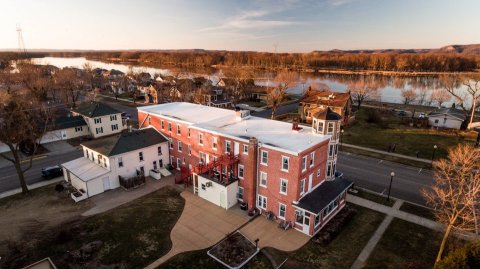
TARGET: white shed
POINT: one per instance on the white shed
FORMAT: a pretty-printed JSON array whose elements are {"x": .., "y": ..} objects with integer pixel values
[{"x": 450, "y": 118}]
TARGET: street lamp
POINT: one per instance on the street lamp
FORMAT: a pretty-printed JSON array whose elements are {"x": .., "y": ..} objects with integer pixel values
[
  {"x": 392, "y": 174},
  {"x": 433, "y": 153},
  {"x": 341, "y": 137}
]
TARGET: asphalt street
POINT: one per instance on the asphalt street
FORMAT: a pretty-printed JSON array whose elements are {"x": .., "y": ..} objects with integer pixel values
[
  {"x": 374, "y": 174},
  {"x": 9, "y": 178}
]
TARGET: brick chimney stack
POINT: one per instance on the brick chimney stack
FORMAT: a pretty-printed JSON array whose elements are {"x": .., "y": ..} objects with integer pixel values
[{"x": 251, "y": 173}]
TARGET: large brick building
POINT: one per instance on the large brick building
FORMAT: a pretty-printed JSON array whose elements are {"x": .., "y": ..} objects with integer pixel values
[{"x": 276, "y": 167}]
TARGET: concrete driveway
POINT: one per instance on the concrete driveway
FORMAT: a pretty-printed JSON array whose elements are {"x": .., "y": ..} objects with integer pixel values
[{"x": 201, "y": 225}]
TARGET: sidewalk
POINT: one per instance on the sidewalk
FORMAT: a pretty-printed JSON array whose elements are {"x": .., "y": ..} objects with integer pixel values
[
  {"x": 388, "y": 153},
  {"x": 31, "y": 187}
]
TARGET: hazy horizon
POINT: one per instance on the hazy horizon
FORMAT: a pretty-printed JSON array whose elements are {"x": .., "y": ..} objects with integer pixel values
[{"x": 264, "y": 25}]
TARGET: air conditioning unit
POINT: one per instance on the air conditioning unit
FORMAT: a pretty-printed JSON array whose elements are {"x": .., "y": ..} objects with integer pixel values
[{"x": 208, "y": 184}]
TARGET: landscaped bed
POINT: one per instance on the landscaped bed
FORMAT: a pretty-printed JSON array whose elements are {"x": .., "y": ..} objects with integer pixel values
[
  {"x": 130, "y": 236},
  {"x": 342, "y": 251},
  {"x": 407, "y": 244},
  {"x": 235, "y": 251}
]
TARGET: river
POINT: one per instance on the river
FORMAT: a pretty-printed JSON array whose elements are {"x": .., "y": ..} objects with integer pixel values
[{"x": 390, "y": 89}]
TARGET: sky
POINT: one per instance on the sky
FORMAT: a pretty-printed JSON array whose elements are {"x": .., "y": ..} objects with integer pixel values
[{"x": 262, "y": 25}]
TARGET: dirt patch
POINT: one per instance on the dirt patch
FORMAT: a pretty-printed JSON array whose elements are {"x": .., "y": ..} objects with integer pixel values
[{"x": 40, "y": 210}]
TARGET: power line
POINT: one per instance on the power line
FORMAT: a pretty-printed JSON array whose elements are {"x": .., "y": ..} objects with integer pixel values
[{"x": 21, "y": 42}]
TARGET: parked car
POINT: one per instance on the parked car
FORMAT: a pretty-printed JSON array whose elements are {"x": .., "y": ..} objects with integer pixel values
[
  {"x": 402, "y": 113},
  {"x": 126, "y": 116},
  {"x": 52, "y": 172},
  {"x": 422, "y": 115}
]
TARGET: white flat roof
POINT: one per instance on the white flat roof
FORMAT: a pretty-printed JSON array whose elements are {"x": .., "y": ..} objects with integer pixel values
[
  {"x": 85, "y": 169},
  {"x": 270, "y": 133}
]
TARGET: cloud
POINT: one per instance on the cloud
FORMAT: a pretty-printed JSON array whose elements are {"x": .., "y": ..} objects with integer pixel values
[{"x": 339, "y": 2}]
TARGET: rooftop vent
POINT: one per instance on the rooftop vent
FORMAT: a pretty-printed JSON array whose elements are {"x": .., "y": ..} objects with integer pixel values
[
  {"x": 295, "y": 126},
  {"x": 242, "y": 114}
]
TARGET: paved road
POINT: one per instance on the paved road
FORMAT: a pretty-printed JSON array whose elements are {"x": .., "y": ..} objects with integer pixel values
[
  {"x": 8, "y": 175},
  {"x": 267, "y": 113},
  {"x": 374, "y": 174}
]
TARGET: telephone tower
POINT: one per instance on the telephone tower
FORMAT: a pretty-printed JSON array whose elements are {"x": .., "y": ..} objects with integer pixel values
[{"x": 21, "y": 43}]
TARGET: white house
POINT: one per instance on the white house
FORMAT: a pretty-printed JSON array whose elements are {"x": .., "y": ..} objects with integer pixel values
[
  {"x": 450, "y": 118},
  {"x": 101, "y": 119},
  {"x": 105, "y": 160}
]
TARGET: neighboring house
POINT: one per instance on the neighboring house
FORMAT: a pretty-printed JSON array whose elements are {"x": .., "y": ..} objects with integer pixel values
[
  {"x": 450, "y": 118},
  {"x": 313, "y": 101},
  {"x": 271, "y": 166},
  {"x": 72, "y": 126},
  {"x": 107, "y": 159},
  {"x": 217, "y": 97},
  {"x": 101, "y": 119}
]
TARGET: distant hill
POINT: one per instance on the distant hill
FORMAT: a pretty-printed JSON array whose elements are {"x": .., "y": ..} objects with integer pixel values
[{"x": 473, "y": 49}]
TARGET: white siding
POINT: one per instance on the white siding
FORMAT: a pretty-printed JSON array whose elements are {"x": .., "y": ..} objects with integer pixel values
[
  {"x": 95, "y": 186},
  {"x": 217, "y": 194},
  {"x": 106, "y": 124},
  {"x": 444, "y": 122}
]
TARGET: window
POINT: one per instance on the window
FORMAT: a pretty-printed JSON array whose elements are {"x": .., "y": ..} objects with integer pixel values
[
  {"x": 240, "y": 193},
  {"x": 149, "y": 120},
  {"x": 178, "y": 164},
  {"x": 140, "y": 156},
  {"x": 78, "y": 129},
  {"x": 97, "y": 120},
  {"x": 285, "y": 163},
  {"x": 330, "y": 127},
  {"x": 245, "y": 149},
  {"x": 436, "y": 121},
  {"x": 283, "y": 186},
  {"x": 304, "y": 163},
  {"x": 201, "y": 157},
  {"x": 170, "y": 127},
  {"x": 264, "y": 159},
  {"x": 318, "y": 172},
  {"x": 262, "y": 202},
  {"x": 228, "y": 146},
  {"x": 299, "y": 216},
  {"x": 170, "y": 143},
  {"x": 120, "y": 162},
  {"x": 179, "y": 132},
  {"x": 320, "y": 127},
  {"x": 329, "y": 209},
  {"x": 317, "y": 220},
  {"x": 188, "y": 133},
  {"x": 155, "y": 165},
  {"x": 281, "y": 210},
  {"x": 330, "y": 150},
  {"x": 263, "y": 179},
  {"x": 203, "y": 187},
  {"x": 179, "y": 146},
  {"x": 183, "y": 160},
  {"x": 114, "y": 127},
  {"x": 159, "y": 151},
  {"x": 113, "y": 117},
  {"x": 99, "y": 158},
  {"x": 162, "y": 123},
  {"x": 240, "y": 171},
  {"x": 200, "y": 139},
  {"x": 99, "y": 130},
  {"x": 329, "y": 169},
  {"x": 189, "y": 150},
  {"x": 214, "y": 143},
  {"x": 302, "y": 186},
  {"x": 312, "y": 159}
]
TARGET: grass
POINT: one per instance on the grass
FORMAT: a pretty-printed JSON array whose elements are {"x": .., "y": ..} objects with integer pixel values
[
  {"x": 47, "y": 190},
  {"x": 386, "y": 157},
  {"x": 199, "y": 259},
  {"x": 374, "y": 197},
  {"x": 132, "y": 236},
  {"x": 408, "y": 243},
  {"x": 418, "y": 210},
  {"x": 343, "y": 250},
  {"x": 391, "y": 129}
]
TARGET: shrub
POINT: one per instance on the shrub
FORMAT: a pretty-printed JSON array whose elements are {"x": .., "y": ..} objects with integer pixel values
[
  {"x": 467, "y": 257},
  {"x": 59, "y": 187}
]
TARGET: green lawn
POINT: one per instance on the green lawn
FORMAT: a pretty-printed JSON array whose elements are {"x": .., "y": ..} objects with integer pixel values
[
  {"x": 418, "y": 210},
  {"x": 343, "y": 250},
  {"x": 132, "y": 236},
  {"x": 391, "y": 129},
  {"x": 199, "y": 259},
  {"x": 374, "y": 197},
  {"x": 404, "y": 242}
]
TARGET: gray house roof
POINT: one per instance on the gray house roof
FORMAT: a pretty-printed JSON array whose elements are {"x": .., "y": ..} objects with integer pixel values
[
  {"x": 70, "y": 122},
  {"x": 452, "y": 112},
  {"x": 126, "y": 142},
  {"x": 95, "y": 109},
  {"x": 323, "y": 195}
]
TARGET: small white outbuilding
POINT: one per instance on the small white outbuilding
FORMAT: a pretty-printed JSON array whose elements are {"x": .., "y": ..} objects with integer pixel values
[{"x": 449, "y": 118}]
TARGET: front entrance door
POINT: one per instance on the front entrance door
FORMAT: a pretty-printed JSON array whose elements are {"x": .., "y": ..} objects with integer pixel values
[
  {"x": 306, "y": 223},
  {"x": 160, "y": 163},
  {"x": 106, "y": 183}
]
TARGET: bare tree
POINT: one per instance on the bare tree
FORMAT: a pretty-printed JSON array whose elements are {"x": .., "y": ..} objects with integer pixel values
[
  {"x": 242, "y": 79},
  {"x": 456, "y": 191},
  {"x": 422, "y": 95},
  {"x": 408, "y": 95},
  {"x": 472, "y": 95},
  {"x": 440, "y": 96},
  {"x": 70, "y": 85},
  {"x": 276, "y": 95},
  {"x": 363, "y": 90},
  {"x": 185, "y": 88},
  {"x": 23, "y": 121}
]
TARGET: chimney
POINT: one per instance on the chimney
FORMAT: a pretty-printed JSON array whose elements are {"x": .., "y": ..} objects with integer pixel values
[
  {"x": 250, "y": 182},
  {"x": 295, "y": 126}
]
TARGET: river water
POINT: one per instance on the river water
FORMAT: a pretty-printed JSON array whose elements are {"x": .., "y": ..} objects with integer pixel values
[{"x": 389, "y": 91}]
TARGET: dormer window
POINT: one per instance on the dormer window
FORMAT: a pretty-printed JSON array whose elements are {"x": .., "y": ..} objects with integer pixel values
[{"x": 320, "y": 127}]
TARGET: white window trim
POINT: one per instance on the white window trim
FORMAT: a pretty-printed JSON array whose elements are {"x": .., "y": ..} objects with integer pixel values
[
  {"x": 243, "y": 193},
  {"x": 179, "y": 146},
  {"x": 214, "y": 143},
  {"x": 264, "y": 199},
  {"x": 200, "y": 141},
  {"x": 243, "y": 169},
  {"x": 302, "y": 190},
  {"x": 245, "y": 146},
  {"x": 285, "y": 211},
  {"x": 304, "y": 163},
  {"x": 261, "y": 158},
  {"x": 266, "y": 180},
  {"x": 286, "y": 186},
  {"x": 228, "y": 142},
  {"x": 312, "y": 159},
  {"x": 189, "y": 150},
  {"x": 288, "y": 163},
  {"x": 179, "y": 132}
]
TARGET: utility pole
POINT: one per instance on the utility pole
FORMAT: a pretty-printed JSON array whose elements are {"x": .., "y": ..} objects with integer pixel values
[{"x": 21, "y": 43}]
